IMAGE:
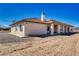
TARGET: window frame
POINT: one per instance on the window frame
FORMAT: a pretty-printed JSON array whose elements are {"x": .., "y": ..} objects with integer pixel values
[{"x": 21, "y": 27}]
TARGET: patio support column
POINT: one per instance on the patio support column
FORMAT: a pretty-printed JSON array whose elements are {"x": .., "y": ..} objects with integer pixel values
[
  {"x": 66, "y": 29},
  {"x": 52, "y": 29},
  {"x": 24, "y": 31},
  {"x": 69, "y": 29},
  {"x": 59, "y": 27},
  {"x": 63, "y": 29}
]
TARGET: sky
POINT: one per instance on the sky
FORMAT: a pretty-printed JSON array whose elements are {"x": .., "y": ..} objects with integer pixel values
[{"x": 64, "y": 12}]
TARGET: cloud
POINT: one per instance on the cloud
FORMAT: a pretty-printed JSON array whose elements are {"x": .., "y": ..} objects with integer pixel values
[{"x": 4, "y": 26}]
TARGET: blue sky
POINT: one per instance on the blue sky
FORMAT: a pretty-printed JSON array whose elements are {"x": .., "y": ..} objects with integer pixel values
[{"x": 67, "y": 13}]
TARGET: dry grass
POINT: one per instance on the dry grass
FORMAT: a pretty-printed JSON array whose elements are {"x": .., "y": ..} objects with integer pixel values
[{"x": 48, "y": 46}]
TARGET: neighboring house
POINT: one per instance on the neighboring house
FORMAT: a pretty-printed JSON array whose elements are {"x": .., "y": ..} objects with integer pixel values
[
  {"x": 76, "y": 29},
  {"x": 34, "y": 26},
  {"x": 4, "y": 29}
]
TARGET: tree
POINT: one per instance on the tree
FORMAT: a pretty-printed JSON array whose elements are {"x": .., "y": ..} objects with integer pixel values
[
  {"x": 13, "y": 21},
  {"x": 0, "y": 26}
]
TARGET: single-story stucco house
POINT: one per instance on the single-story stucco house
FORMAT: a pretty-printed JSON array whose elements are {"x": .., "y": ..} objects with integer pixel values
[{"x": 34, "y": 26}]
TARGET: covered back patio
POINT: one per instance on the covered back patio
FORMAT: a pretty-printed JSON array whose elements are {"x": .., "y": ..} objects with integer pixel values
[{"x": 60, "y": 28}]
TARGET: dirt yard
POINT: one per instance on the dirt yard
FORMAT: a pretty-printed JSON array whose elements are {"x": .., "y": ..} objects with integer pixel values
[{"x": 60, "y": 45}]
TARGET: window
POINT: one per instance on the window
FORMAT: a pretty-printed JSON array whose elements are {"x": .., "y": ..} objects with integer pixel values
[
  {"x": 21, "y": 28},
  {"x": 48, "y": 28},
  {"x": 16, "y": 28}
]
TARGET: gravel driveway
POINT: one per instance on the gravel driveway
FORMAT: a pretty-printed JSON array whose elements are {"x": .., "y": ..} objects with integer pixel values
[
  {"x": 8, "y": 38},
  {"x": 37, "y": 46}
]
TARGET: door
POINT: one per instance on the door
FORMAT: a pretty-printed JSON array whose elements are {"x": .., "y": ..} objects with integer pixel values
[{"x": 48, "y": 30}]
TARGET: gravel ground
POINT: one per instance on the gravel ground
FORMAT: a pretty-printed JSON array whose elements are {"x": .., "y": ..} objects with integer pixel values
[{"x": 60, "y": 45}]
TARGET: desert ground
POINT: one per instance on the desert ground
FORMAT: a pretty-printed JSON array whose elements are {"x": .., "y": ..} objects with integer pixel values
[{"x": 58, "y": 45}]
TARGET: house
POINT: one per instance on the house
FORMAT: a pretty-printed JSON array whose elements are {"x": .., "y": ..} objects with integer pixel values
[
  {"x": 34, "y": 26},
  {"x": 4, "y": 29},
  {"x": 76, "y": 29}
]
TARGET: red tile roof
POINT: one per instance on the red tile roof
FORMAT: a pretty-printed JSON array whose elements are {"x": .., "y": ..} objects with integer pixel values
[
  {"x": 37, "y": 21},
  {"x": 34, "y": 20}
]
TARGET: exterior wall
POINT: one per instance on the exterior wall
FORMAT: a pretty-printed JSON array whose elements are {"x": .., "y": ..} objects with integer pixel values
[
  {"x": 30, "y": 29},
  {"x": 18, "y": 32},
  {"x": 35, "y": 29}
]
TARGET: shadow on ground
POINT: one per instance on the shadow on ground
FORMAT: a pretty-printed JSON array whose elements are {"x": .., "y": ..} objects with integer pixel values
[
  {"x": 8, "y": 38},
  {"x": 69, "y": 34},
  {"x": 43, "y": 36}
]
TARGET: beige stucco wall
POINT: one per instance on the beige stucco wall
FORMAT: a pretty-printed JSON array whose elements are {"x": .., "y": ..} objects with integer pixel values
[
  {"x": 35, "y": 29},
  {"x": 18, "y": 32},
  {"x": 30, "y": 29}
]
